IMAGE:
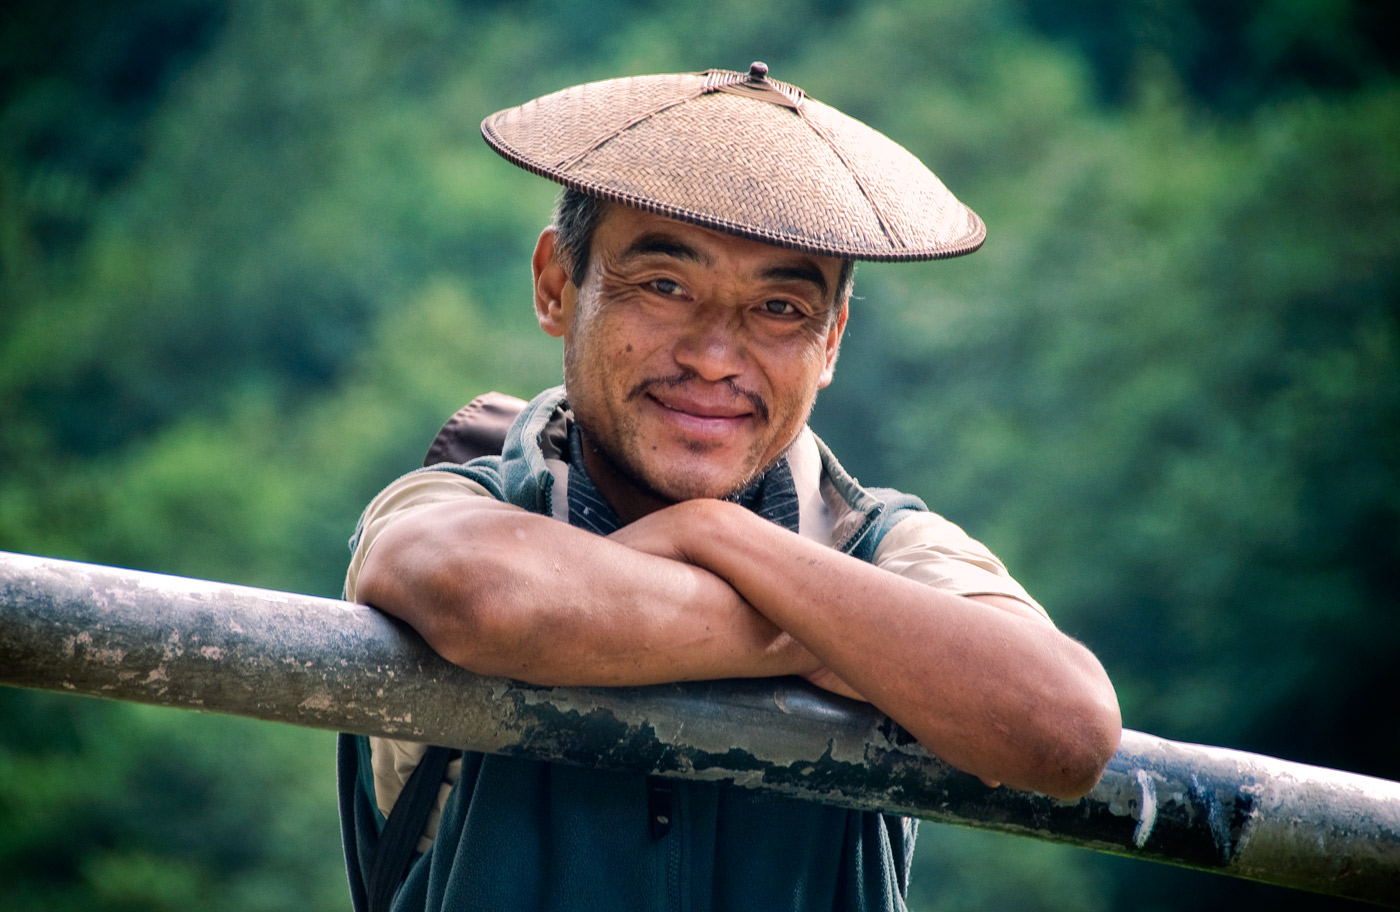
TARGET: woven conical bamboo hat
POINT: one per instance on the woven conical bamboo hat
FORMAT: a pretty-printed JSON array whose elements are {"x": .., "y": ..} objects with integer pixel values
[{"x": 742, "y": 153}]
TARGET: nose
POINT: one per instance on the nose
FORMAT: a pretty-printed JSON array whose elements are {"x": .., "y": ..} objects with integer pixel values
[{"x": 712, "y": 344}]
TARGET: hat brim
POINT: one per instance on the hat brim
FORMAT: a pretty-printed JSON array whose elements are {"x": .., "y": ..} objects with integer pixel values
[{"x": 752, "y": 157}]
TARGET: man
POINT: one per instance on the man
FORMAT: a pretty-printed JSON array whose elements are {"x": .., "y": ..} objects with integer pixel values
[{"x": 667, "y": 515}]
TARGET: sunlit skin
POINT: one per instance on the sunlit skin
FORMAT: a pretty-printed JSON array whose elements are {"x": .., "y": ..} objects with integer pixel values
[{"x": 692, "y": 358}]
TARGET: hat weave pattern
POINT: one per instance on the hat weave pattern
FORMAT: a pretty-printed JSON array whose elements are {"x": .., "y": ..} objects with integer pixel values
[{"x": 743, "y": 154}]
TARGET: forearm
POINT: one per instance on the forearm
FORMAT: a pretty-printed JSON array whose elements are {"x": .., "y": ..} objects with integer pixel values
[
  {"x": 505, "y": 592},
  {"x": 991, "y": 690}
]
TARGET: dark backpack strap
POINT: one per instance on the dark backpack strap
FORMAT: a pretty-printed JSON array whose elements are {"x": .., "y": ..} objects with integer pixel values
[
  {"x": 403, "y": 827},
  {"x": 477, "y": 429}
]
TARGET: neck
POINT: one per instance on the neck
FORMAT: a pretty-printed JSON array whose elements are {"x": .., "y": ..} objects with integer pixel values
[{"x": 628, "y": 499}]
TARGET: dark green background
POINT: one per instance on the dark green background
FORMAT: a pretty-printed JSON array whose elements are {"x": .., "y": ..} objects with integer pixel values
[{"x": 252, "y": 253}]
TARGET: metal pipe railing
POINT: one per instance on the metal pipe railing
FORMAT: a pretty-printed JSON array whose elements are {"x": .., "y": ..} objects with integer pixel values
[{"x": 323, "y": 663}]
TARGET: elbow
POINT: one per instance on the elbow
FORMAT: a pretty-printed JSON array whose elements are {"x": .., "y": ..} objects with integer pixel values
[
  {"x": 1080, "y": 765},
  {"x": 1086, "y": 739},
  {"x": 468, "y": 623},
  {"x": 461, "y": 635},
  {"x": 452, "y": 603}
]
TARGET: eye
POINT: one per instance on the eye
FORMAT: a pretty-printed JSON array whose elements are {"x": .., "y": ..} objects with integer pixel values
[
  {"x": 665, "y": 286},
  {"x": 779, "y": 307}
]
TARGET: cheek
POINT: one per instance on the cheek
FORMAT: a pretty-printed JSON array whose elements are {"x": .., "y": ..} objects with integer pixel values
[
  {"x": 600, "y": 343},
  {"x": 800, "y": 363},
  {"x": 632, "y": 346},
  {"x": 795, "y": 380}
]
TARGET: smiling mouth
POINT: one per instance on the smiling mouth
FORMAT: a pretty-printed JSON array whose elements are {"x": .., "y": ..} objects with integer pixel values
[
  {"x": 696, "y": 423},
  {"x": 740, "y": 405},
  {"x": 704, "y": 412}
]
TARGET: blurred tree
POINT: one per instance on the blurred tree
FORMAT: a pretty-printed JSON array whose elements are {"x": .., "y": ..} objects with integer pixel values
[
  {"x": 79, "y": 81},
  {"x": 121, "y": 807},
  {"x": 1231, "y": 57}
]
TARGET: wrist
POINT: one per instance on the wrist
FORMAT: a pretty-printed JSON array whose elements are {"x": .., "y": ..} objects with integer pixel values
[
  {"x": 713, "y": 529},
  {"x": 690, "y": 527}
]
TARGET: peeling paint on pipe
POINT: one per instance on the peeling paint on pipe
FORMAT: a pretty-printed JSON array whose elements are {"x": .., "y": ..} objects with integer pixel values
[{"x": 322, "y": 663}]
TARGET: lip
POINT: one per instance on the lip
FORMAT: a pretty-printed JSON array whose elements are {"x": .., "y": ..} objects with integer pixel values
[{"x": 700, "y": 417}]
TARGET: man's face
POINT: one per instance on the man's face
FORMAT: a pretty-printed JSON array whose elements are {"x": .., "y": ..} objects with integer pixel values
[{"x": 691, "y": 357}]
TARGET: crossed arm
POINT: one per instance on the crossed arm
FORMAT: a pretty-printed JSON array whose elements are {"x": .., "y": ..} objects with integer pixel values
[{"x": 706, "y": 589}]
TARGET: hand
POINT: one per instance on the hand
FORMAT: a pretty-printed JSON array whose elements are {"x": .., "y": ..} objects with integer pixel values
[{"x": 663, "y": 533}]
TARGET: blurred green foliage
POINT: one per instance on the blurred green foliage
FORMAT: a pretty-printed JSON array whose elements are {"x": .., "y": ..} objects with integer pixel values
[{"x": 252, "y": 253}]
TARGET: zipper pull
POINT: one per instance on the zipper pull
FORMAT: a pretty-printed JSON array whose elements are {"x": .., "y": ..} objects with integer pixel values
[{"x": 661, "y": 806}]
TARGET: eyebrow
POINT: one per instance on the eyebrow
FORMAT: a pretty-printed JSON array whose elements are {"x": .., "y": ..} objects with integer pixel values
[
  {"x": 801, "y": 272},
  {"x": 665, "y": 245}
]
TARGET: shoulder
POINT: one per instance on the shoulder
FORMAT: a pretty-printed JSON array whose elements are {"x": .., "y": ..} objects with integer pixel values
[{"x": 424, "y": 488}]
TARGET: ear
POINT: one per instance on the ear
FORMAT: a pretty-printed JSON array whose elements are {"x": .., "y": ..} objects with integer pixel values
[
  {"x": 833, "y": 344},
  {"x": 554, "y": 291}
]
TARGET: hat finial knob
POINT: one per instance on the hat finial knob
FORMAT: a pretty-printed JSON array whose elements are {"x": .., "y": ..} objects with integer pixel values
[{"x": 758, "y": 71}]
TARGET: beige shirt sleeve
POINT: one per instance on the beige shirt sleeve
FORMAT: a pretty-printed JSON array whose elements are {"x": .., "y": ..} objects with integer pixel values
[
  {"x": 931, "y": 550},
  {"x": 405, "y": 496},
  {"x": 391, "y": 762}
]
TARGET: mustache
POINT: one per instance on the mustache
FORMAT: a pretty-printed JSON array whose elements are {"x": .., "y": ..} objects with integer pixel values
[{"x": 681, "y": 379}]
